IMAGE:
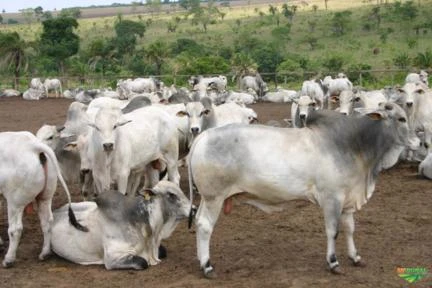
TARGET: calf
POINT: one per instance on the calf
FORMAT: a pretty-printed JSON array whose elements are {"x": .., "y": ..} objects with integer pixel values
[{"x": 124, "y": 233}]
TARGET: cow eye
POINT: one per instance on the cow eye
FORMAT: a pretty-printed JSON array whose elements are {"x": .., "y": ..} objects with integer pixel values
[
  {"x": 172, "y": 196},
  {"x": 205, "y": 112},
  {"x": 356, "y": 99},
  {"x": 420, "y": 91},
  {"x": 50, "y": 138},
  {"x": 402, "y": 119}
]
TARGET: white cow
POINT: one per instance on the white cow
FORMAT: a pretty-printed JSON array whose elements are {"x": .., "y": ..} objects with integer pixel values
[
  {"x": 120, "y": 146},
  {"x": 256, "y": 83},
  {"x": 53, "y": 84},
  {"x": 300, "y": 109},
  {"x": 33, "y": 94},
  {"x": 29, "y": 172},
  {"x": 36, "y": 83},
  {"x": 425, "y": 167},
  {"x": 316, "y": 90},
  {"x": 124, "y": 233},
  {"x": 204, "y": 115},
  {"x": 418, "y": 77},
  {"x": 218, "y": 83},
  {"x": 138, "y": 85},
  {"x": 350, "y": 101},
  {"x": 276, "y": 165},
  {"x": 10, "y": 93},
  {"x": 336, "y": 86},
  {"x": 241, "y": 98},
  {"x": 280, "y": 96}
]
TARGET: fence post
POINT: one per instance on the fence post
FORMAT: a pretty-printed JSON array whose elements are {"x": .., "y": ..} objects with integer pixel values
[{"x": 360, "y": 79}]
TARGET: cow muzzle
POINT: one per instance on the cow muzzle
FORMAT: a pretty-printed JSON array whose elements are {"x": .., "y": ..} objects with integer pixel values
[
  {"x": 409, "y": 104},
  {"x": 195, "y": 131},
  {"x": 108, "y": 147}
]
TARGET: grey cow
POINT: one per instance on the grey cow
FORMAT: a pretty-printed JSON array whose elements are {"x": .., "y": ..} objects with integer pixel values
[{"x": 333, "y": 162}]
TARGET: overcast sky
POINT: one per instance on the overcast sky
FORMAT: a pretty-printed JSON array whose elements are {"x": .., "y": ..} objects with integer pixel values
[{"x": 49, "y": 5}]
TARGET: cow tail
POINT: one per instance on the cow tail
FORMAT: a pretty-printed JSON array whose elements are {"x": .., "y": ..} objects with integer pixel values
[
  {"x": 192, "y": 211},
  {"x": 45, "y": 151}
]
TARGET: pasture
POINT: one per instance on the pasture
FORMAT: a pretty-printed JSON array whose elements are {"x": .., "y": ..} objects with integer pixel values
[{"x": 249, "y": 248}]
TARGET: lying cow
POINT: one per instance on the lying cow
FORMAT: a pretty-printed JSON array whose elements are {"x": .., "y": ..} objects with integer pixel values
[
  {"x": 124, "y": 232},
  {"x": 334, "y": 163},
  {"x": 29, "y": 172}
]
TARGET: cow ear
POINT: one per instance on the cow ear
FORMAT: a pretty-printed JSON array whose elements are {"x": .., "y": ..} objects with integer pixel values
[
  {"x": 334, "y": 99},
  {"x": 147, "y": 194},
  {"x": 71, "y": 146},
  {"x": 375, "y": 116},
  {"x": 60, "y": 128},
  {"x": 182, "y": 114},
  {"x": 93, "y": 126},
  {"x": 121, "y": 123}
]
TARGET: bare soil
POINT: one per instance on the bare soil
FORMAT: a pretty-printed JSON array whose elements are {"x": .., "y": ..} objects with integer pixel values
[{"x": 249, "y": 248}]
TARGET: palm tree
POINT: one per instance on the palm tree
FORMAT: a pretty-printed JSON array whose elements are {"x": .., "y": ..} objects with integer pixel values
[
  {"x": 156, "y": 53},
  {"x": 14, "y": 53}
]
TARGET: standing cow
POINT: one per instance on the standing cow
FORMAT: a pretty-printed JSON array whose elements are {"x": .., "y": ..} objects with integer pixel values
[
  {"x": 334, "y": 163},
  {"x": 256, "y": 83},
  {"x": 28, "y": 174},
  {"x": 53, "y": 84}
]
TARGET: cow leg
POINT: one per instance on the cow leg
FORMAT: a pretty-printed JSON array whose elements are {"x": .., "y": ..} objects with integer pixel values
[
  {"x": 1, "y": 209},
  {"x": 125, "y": 262},
  {"x": 122, "y": 181},
  {"x": 207, "y": 215},
  {"x": 347, "y": 221},
  {"x": 46, "y": 220},
  {"x": 332, "y": 212},
  {"x": 15, "y": 230}
]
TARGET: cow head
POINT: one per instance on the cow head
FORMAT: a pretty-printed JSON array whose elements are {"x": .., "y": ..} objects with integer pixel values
[
  {"x": 197, "y": 113},
  {"x": 305, "y": 105},
  {"x": 106, "y": 123},
  {"x": 409, "y": 92}
]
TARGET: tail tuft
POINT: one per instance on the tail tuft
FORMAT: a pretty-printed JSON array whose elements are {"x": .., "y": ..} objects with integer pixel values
[{"x": 74, "y": 221}]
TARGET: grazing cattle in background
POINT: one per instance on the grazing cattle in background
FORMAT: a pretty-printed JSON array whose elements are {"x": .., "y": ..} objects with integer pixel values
[
  {"x": 124, "y": 232},
  {"x": 53, "y": 84},
  {"x": 218, "y": 83},
  {"x": 315, "y": 90},
  {"x": 36, "y": 83},
  {"x": 278, "y": 164},
  {"x": 33, "y": 94},
  {"x": 115, "y": 152},
  {"x": 300, "y": 109},
  {"x": 29, "y": 172},
  {"x": 255, "y": 83},
  {"x": 10, "y": 93},
  {"x": 418, "y": 77}
]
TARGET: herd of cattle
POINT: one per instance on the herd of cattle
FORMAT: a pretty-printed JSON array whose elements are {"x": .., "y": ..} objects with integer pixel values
[{"x": 124, "y": 149}]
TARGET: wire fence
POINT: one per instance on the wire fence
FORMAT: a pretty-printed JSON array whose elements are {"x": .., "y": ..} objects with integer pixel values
[{"x": 376, "y": 78}]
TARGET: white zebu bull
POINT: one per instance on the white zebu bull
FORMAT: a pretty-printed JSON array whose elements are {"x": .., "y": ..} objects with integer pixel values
[
  {"x": 53, "y": 84},
  {"x": 28, "y": 173},
  {"x": 9, "y": 93},
  {"x": 418, "y": 77},
  {"x": 116, "y": 153},
  {"x": 280, "y": 164},
  {"x": 124, "y": 233}
]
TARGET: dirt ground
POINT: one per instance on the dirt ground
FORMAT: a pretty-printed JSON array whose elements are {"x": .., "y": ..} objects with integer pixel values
[{"x": 249, "y": 248}]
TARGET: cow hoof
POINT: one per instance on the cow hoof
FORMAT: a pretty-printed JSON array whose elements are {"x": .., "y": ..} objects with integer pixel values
[
  {"x": 210, "y": 274},
  {"x": 162, "y": 252},
  {"x": 7, "y": 264},
  {"x": 359, "y": 263},
  {"x": 139, "y": 262},
  {"x": 336, "y": 270},
  {"x": 44, "y": 256}
]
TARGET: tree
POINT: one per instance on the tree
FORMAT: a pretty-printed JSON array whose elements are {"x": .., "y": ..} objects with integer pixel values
[
  {"x": 1, "y": 19},
  {"x": 14, "y": 54},
  {"x": 241, "y": 65},
  {"x": 424, "y": 60},
  {"x": 71, "y": 12},
  {"x": 100, "y": 55},
  {"x": 204, "y": 16},
  {"x": 340, "y": 22},
  {"x": 38, "y": 11},
  {"x": 58, "y": 39},
  {"x": 127, "y": 32},
  {"x": 27, "y": 14},
  {"x": 156, "y": 53}
]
